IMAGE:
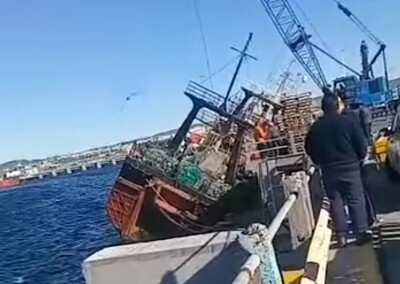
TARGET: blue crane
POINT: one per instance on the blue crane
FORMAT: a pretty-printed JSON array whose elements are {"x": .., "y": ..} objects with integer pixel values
[
  {"x": 295, "y": 37},
  {"x": 367, "y": 66},
  {"x": 299, "y": 42}
]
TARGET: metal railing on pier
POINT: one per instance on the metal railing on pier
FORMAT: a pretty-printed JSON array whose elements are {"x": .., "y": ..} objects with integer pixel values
[
  {"x": 262, "y": 267},
  {"x": 258, "y": 241}
]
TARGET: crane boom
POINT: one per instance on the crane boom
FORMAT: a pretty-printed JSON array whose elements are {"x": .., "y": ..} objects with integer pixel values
[
  {"x": 374, "y": 38},
  {"x": 295, "y": 37},
  {"x": 359, "y": 24}
]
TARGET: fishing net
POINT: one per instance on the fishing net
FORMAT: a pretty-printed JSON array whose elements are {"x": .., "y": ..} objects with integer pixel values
[
  {"x": 187, "y": 172},
  {"x": 161, "y": 161},
  {"x": 190, "y": 175}
]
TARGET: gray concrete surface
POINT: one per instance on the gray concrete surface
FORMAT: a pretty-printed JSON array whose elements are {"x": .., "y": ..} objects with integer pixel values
[
  {"x": 211, "y": 258},
  {"x": 353, "y": 265},
  {"x": 214, "y": 258}
]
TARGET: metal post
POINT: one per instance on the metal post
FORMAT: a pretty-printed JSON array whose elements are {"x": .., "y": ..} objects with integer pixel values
[
  {"x": 388, "y": 90},
  {"x": 292, "y": 142},
  {"x": 243, "y": 54},
  {"x": 282, "y": 214},
  {"x": 234, "y": 158},
  {"x": 257, "y": 240},
  {"x": 248, "y": 270},
  {"x": 185, "y": 127}
]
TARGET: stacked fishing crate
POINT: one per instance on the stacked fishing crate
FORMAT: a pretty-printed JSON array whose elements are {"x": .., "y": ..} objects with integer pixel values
[{"x": 297, "y": 118}]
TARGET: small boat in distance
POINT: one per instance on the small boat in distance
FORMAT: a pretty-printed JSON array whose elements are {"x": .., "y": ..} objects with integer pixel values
[{"x": 9, "y": 182}]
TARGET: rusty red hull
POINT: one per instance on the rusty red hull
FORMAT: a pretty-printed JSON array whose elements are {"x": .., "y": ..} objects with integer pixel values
[{"x": 143, "y": 207}]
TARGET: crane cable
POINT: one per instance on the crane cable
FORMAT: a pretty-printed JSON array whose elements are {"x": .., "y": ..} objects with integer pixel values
[
  {"x": 312, "y": 26},
  {"x": 203, "y": 39},
  {"x": 220, "y": 69}
]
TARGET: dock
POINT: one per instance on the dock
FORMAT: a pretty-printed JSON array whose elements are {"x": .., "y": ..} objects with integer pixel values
[
  {"x": 94, "y": 158},
  {"x": 71, "y": 168},
  {"x": 221, "y": 258}
]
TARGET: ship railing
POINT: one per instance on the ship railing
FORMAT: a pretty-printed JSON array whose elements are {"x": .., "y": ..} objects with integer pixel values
[
  {"x": 277, "y": 147},
  {"x": 207, "y": 117},
  {"x": 198, "y": 91},
  {"x": 261, "y": 267}
]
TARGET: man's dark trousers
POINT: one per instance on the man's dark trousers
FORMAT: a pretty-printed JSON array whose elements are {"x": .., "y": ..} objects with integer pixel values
[
  {"x": 345, "y": 187},
  {"x": 370, "y": 207}
]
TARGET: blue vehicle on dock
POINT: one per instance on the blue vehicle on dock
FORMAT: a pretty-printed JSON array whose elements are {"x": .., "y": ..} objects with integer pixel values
[{"x": 371, "y": 92}]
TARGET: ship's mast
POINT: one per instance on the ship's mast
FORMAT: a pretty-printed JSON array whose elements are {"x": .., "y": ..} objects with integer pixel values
[
  {"x": 285, "y": 78},
  {"x": 243, "y": 55}
]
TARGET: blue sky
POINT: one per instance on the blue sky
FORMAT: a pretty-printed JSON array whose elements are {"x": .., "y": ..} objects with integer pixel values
[{"x": 66, "y": 66}]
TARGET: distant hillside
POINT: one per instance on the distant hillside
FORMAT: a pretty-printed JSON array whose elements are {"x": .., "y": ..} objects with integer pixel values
[
  {"x": 15, "y": 163},
  {"x": 23, "y": 162}
]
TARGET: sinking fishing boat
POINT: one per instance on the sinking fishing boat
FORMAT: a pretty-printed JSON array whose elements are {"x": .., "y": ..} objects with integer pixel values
[
  {"x": 183, "y": 187},
  {"x": 198, "y": 183}
]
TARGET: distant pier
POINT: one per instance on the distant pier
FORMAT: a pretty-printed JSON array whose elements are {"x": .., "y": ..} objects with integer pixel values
[
  {"x": 81, "y": 161},
  {"x": 72, "y": 168}
]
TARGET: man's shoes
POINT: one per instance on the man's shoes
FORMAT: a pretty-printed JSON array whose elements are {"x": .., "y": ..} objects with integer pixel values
[
  {"x": 341, "y": 241},
  {"x": 377, "y": 223},
  {"x": 364, "y": 238}
]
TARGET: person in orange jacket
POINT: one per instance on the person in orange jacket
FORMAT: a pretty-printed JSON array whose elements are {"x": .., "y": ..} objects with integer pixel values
[{"x": 261, "y": 136}]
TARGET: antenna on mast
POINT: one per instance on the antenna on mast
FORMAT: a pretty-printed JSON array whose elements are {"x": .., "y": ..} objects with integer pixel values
[{"x": 243, "y": 55}]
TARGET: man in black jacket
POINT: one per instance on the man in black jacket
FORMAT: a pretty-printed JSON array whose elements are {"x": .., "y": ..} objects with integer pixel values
[
  {"x": 336, "y": 143},
  {"x": 362, "y": 116}
]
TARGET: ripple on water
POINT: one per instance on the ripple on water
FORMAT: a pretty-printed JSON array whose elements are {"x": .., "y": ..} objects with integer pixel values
[{"x": 49, "y": 227}]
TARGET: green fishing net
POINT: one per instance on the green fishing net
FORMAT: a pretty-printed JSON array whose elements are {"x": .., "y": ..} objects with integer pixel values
[{"x": 190, "y": 175}]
